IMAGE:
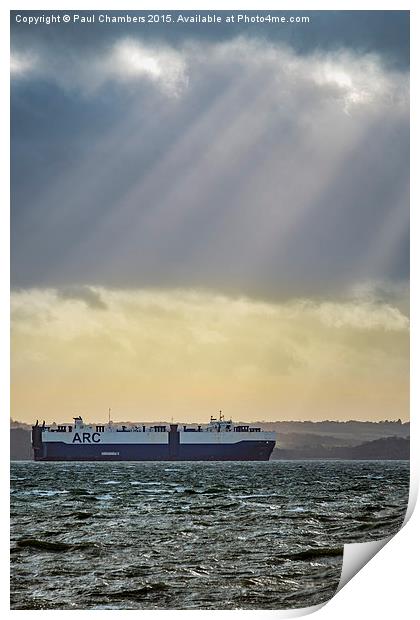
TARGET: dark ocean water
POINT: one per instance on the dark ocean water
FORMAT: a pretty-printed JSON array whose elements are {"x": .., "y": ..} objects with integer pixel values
[{"x": 193, "y": 535}]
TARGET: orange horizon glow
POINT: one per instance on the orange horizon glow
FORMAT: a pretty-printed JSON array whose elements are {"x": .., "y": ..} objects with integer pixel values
[{"x": 185, "y": 354}]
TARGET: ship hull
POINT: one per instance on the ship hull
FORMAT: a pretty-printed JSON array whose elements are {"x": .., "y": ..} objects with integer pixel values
[{"x": 240, "y": 451}]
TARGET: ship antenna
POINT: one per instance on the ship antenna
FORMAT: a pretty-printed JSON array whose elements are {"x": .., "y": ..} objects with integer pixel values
[{"x": 109, "y": 415}]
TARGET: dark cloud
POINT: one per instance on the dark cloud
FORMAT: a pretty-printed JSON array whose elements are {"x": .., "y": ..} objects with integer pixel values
[
  {"x": 236, "y": 164},
  {"x": 86, "y": 294},
  {"x": 381, "y": 32}
]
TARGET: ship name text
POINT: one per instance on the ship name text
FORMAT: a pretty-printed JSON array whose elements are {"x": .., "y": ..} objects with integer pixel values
[{"x": 86, "y": 438}]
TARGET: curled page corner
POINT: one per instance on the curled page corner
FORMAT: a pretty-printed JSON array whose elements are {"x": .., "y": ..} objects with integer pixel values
[{"x": 357, "y": 555}]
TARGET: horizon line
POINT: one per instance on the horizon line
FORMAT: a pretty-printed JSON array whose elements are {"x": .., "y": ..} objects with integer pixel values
[{"x": 385, "y": 421}]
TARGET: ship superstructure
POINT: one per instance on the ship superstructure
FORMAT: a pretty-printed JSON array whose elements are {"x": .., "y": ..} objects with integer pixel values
[{"x": 220, "y": 440}]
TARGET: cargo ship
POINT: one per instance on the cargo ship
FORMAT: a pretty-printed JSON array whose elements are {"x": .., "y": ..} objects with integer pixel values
[{"x": 220, "y": 440}]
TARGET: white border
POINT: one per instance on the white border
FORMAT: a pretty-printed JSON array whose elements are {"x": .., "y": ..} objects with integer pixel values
[{"x": 387, "y": 586}]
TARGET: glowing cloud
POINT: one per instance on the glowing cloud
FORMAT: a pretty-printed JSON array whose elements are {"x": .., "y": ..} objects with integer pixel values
[
  {"x": 348, "y": 77},
  {"x": 158, "y": 354},
  {"x": 22, "y": 64},
  {"x": 128, "y": 62}
]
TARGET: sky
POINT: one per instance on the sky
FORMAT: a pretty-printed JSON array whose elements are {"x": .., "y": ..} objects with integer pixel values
[{"x": 211, "y": 217}]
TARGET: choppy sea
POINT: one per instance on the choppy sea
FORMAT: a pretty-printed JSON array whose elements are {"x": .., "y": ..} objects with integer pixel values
[{"x": 194, "y": 535}]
